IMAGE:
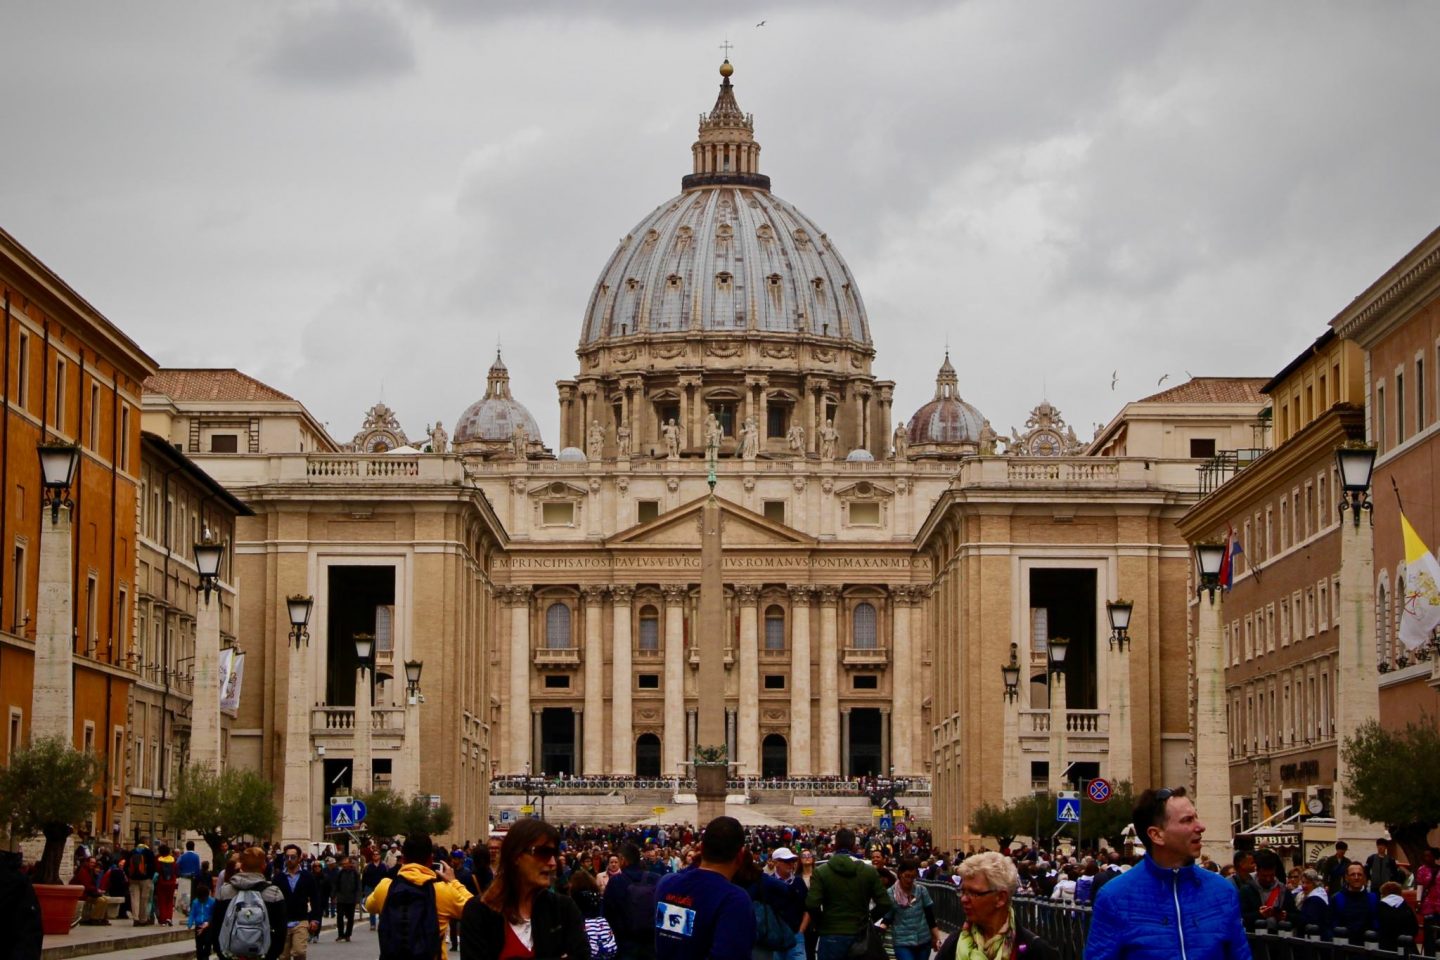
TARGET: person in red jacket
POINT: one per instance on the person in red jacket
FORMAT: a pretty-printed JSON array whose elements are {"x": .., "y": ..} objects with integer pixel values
[{"x": 87, "y": 875}]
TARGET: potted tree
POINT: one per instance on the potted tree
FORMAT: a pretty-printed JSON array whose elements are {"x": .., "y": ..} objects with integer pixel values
[{"x": 47, "y": 789}]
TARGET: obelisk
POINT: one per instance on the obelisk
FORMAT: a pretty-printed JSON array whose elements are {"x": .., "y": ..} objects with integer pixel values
[{"x": 712, "y": 765}]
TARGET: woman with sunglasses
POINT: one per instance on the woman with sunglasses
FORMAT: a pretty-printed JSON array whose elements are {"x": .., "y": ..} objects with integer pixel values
[{"x": 519, "y": 917}]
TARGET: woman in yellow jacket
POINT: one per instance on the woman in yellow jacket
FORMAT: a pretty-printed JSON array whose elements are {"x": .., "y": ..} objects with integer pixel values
[{"x": 450, "y": 895}]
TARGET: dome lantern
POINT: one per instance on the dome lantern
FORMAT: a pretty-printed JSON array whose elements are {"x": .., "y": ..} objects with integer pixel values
[
  {"x": 725, "y": 151},
  {"x": 498, "y": 424},
  {"x": 947, "y": 426}
]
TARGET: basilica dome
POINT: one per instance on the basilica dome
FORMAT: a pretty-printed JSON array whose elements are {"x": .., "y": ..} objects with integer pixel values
[
  {"x": 490, "y": 422},
  {"x": 946, "y": 421},
  {"x": 726, "y": 255}
]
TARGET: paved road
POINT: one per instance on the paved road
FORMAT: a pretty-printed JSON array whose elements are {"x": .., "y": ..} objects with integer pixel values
[{"x": 362, "y": 947}]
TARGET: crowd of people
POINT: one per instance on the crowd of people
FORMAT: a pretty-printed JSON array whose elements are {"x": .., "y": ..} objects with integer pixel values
[{"x": 875, "y": 787}]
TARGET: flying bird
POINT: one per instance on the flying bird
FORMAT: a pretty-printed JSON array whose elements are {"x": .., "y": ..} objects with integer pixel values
[
  {"x": 761, "y": 23},
  {"x": 1162, "y": 379},
  {"x": 1114, "y": 379}
]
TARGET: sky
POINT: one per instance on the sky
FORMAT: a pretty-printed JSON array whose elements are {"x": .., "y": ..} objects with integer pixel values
[{"x": 361, "y": 200}]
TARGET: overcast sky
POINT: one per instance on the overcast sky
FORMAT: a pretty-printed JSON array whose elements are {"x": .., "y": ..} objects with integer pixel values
[{"x": 352, "y": 200}]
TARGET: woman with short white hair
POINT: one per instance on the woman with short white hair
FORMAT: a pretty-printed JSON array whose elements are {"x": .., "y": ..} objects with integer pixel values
[{"x": 988, "y": 882}]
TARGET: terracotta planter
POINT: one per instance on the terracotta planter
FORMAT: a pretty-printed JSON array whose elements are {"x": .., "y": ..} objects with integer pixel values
[{"x": 57, "y": 907}]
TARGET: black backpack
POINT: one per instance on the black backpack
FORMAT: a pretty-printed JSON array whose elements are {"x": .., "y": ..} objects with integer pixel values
[
  {"x": 640, "y": 908},
  {"x": 409, "y": 922}
]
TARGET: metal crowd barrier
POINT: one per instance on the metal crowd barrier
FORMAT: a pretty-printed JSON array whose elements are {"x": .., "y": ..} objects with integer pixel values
[{"x": 1066, "y": 925}]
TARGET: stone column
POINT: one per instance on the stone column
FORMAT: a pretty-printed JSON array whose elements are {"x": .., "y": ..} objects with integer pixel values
[
  {"x": 52, "y": 703},
  {"x": 887, "y": 730},
  {"x": 810, "y": 428},
  {"x": 1212, "y": 752},
  {"x": 730, "y": 747},
  {"x": 362, "y": 779},
  {"x": 622, "y": 738},
  {"x": 295, "y": 810},
  {"x": 1011, "y": 784},
  {"x": 695, "y": 432},
  {"x": 904, "y": 684},
  {"x": 692, "y": 728},
  {"x": 674, "y": 749},
  {"x": 577, "y": 735},
  {"x": 859, "y": 439},
  {"x": 844, "y": 718},
  {"x": 407, "y": 777},
  {"x": 205, "y": 695},
  {"x": 537, "y": 739},
  {"x": 799, "y": 758},
  {"x": 1120, "y": 762},
  {"x": 567, "y": 399},
  {"x": 519, "y": 705},
  {"x": 748, "y": 596},
  {"x": 1357, "y": 684},
  {"x": 829, "y": 684},
  {"x": 1057, "y": 729},
  {"x": 594, "y": 751}
]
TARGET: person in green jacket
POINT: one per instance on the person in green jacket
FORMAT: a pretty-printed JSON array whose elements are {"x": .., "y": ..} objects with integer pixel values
[{"x": 846, "y": 896}]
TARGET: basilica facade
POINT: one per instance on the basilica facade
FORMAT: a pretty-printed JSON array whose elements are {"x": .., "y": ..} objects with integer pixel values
[{"x": 880, "y": 566}]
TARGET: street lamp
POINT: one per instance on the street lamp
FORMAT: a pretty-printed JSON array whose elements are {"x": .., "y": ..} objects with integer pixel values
[
  {"x": 299, "y": 606},
  {"x": 412, "y": 677},
  {"x": 1356, "y": 462},
  {"x": 57, "y": 470},
  {"x": 364, "y": 644},
  {"x": 1208, "y": 559},
  {"x": 1119, "y": 613},
  {"x": 207, "y": 561},
  {"x": 1010, "y": 673},
  {"x": 361, "y": 779},
  {"x": 1058, "y": 648}
]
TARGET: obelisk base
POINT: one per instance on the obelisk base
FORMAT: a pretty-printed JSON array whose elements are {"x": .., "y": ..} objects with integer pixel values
[{"x": 710, "y": 792}]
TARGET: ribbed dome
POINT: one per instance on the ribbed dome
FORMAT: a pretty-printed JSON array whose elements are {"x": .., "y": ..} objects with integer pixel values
[
  {"x": 946, "y": 418},
  {"x": 726, "y": 254},
  {"x": 493, "y": 417}
]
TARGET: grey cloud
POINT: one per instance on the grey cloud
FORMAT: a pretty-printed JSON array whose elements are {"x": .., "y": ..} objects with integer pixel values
[{"x": 335, "y": 45}]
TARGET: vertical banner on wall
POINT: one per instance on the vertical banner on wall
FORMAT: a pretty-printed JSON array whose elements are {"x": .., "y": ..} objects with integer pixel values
[{"x": 230, "y": 692}]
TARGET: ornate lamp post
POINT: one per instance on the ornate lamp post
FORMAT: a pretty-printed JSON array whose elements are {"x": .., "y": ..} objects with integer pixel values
[
  {"x": 411, "y": 752},
  {"x": 1010, "y": 674},
  {"x": 1209, "y": 557},
  {"x": 52, "y": 707},
  {"x": 1212, "y": 764},
  {"x": 361, "y": 777},
  {"x": 1119, "y": 613},
  {"x": 1356, "y": 463},
  {"x": 1119, "y": 760},
  {"x": 295, "y": 822},
  {"x": 1057, "y": 648},
  {"x": 205, "y": 695}
]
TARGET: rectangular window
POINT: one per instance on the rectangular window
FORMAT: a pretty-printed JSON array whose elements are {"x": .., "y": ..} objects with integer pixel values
[
  {"x": 1245, "y": 543},
  {"x": 121, "y": 627},
  {"x": 1399, "y": 408},
  {"x": 117, "y": 761},
  {"x": 553, "y": 682},
  {"x": 1321, "y": 512},
  {"x": 864, "y": 514},
  {"x": 1269, "y": 532},
  {"x": 22, "y": 371},
  {"x": 87, "y": 737},
  {"x": 775, "y": 420},
  {"x": 1309, "y": 508},
  {"x": 1202, "y": 447},
  {"x": 1284, "y": 525},
  {"x": 1324, "y": 397},
  {"x": 867, "y": 682},
  {"x": 1235, "y": 641},
  {"x": 1309, "y": 403},
  {"x": 94, "y": 416},
  {"x": 1310, "y": 612},
  {"x": 774, "y": 681},
  {"x": 775, "y": 510},
  {"x": 124, "y": 439},
  {"x": 92, "y": 620},
  {"x": 725, "y": 413},
  {"x": 17, "y": 593},
  {"x": 648, "y": 681},
  {"x": 17, "y": 725},
  {"x": 1270, "y": 628},
  {"x": 59, "y": 419},
  {"x": 1249, "y": 637},
  {"x": 1285, "y": 622},
  {"x": 1380, "y": 416},
  {"x": 1322, "y": 604},
  {"x": 1419, "y": 393},
  {"x": 646, "y": 510},
  {"x": 224, "y": 443},
  {"x": 557, "y": 514}
]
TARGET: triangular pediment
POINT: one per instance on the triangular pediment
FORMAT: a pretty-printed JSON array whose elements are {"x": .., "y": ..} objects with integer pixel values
[{"x": 738, "y": 528}]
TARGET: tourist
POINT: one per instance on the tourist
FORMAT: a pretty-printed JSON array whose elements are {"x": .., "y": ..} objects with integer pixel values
[
  {"x": 398, "y": 899},
  {"x": 198, "y": 919},
  {"x": 19, "y": 910},
  {"x": 840, "y": 900},
  {"x": 370, "y": 879},
  {"x": 612, "y": 867},
  {"x": 988, "y": 882},
  {"x": 140, "y": 871},
  {"x": 347, "y": 894},
  {"x": 1333, "y": 868},
  {"x": 1156, "y": 909},
  {"x": 1427, "y": 884},
  {"x": 1314, "y": 905},
  {"x": 1266, "y": 899},
  {"x": 912, "y": 921},
  {"x": 518, "y": 916},
  {"x": 699, "y": 912},
  {"x": 629, "y": 904},
  {"x": 586, "y": 894},
  {"x": 250, "y": 875},
  {"x": 166, "y": 881},
  {"x": 303, "y": 906},
  {"x": 1380, "y": 867},
  {"x": 1395, "y": 917},
  {"x": 1355, "y": 909}
]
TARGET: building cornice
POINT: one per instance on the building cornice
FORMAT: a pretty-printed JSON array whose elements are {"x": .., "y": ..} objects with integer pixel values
[{"x": 1390, "y": 299}]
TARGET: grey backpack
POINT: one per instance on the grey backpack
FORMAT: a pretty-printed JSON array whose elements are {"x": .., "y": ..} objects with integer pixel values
[{"x": 245, "y": 931}]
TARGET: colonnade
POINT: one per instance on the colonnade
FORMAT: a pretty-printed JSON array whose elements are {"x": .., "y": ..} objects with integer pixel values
[{"x": 811, "y": 712}]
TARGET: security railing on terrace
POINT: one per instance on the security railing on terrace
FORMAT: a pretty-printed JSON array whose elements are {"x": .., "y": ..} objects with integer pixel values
[
  {"x": 1066, "y": 925},
  {"x": 806, "y": 786}
]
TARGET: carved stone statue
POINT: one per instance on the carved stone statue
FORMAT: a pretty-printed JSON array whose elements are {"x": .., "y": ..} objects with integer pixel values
[
  {"x": 439, "y": 439},
  {"x": 622, "y": 440},
  {"x": 988, "y": 437},
  {"x": 671, "y": 433},
  {"x": 795, "y": 437},
  {"x": 518, "y": 441},
  {"x": 594, "y": 440},
  {"x": 713, "y": 435},
  {"x": 749, "y": 439},
  {"x": 902, "y": 442},
  {"x": 829, "y": 436}
]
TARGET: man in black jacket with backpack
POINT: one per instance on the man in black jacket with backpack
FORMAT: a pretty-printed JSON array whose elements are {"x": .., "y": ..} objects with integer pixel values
[{"x": 629, "y": 906}]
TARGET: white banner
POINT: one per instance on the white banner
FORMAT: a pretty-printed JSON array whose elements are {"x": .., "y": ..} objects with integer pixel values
[
  {"x": 227, "y": 661},
  {"x": 230, "y": 692}
]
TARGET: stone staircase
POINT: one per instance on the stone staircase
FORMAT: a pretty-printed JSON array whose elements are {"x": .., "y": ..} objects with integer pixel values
[{"x": 663, "y": 806}]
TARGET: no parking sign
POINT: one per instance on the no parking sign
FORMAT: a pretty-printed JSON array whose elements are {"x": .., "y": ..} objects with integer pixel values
[{"x": 1099, "y": 789}]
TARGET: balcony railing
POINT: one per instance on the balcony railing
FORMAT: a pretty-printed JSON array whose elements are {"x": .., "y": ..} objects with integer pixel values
[
  {"x": 557, "y": 657},
  {"x": 1077, "y": 722},
  {"x": 340, "y": 721},
  {"x": 772, "y": 653},
  {"x": 866, "y": 656}
]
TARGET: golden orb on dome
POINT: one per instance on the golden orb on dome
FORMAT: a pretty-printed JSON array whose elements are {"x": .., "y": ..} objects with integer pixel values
[{"x": 726, "y": 69}]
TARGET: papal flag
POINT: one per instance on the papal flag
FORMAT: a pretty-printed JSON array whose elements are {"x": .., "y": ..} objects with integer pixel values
[{"x": 1421, "y": 613}]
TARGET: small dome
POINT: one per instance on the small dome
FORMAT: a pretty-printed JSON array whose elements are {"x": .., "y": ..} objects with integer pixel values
[
  {"x": 946, "y": 418},
  {"x": 572, "y": 455},
  {"x": 859, "y": 455},
  {"x": 494, "y": 417}
]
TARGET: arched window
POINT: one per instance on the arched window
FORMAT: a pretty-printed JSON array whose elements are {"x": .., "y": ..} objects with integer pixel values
[
  {"x": 1382, "y": 617},
  {"x": 774, "y": 627},
  {"x": 649, "y": 628},
  {"x": 557, "y": 626},
  {"x": 863, "y": 627}
]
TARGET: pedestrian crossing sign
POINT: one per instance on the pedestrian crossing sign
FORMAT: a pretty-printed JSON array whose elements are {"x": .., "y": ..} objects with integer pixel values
[{"x": 1067, "y": 810}]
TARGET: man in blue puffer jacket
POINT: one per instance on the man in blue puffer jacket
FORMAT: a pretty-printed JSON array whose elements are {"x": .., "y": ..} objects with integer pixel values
[{"x": 1165, "y": 906}]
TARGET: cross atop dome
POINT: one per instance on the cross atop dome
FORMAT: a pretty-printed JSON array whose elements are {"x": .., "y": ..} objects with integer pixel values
[{"x": 725, "y": 151}]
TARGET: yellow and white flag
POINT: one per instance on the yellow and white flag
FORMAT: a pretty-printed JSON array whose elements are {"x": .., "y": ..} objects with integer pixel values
[{"x": 1421, "y": 612}]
